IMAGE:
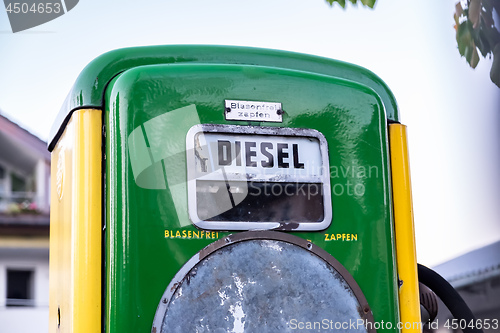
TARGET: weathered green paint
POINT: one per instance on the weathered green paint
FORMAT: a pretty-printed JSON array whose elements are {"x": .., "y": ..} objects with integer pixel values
[
  {"x": 140, "y": 261},
  {"x": 88, "y": 90}
]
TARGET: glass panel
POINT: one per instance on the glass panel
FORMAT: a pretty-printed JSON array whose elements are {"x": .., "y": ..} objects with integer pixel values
[
  {"x": 18, "y": 183},
  {"x": 259, "y": 201}
]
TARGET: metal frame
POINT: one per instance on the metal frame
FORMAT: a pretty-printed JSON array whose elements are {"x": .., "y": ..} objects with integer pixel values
[
  {"x": 404, "y": 229},
  {"x": 271, "y": 131},
  {"x": 365, "y": 313},
  {"x": 75, "y": 302}
]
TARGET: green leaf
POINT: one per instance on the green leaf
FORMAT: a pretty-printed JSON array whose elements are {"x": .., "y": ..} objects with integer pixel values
[
  {"x": 458, "y": 9},
  {"x": 474, "y": 12},
  {"x": 468, "y": 54},
  {"x": 482, "y": 43},
  {"x": 340, "y": 2},
  {"x": 474, "y": 58},
  {"x": 369, "y": 3},
  {"x": 495, "y": 67},
  {"x": 464, "y": 38}
]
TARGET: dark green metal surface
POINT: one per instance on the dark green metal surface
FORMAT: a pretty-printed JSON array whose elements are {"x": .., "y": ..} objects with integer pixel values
[
  {"x": 88, "y": 90},
  {"x": 141, "y": 261}
]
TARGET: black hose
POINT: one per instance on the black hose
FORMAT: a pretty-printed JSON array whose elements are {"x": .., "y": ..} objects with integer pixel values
[{"x": 450, "y": 297}]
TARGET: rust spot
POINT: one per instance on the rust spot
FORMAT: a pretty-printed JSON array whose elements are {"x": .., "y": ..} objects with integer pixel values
[
  {"x": 190, "y": 275},
  {"x": 287, "y": 226},
  {"x": 174, "y": 287}
]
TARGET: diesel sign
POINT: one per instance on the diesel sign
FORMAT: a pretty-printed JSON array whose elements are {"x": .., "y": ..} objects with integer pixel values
[
  {"x": 272, "y": 176},
  {"x": 271, "y": 152}
]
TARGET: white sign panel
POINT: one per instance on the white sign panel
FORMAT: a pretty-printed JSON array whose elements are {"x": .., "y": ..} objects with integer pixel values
[
  {"x": 246, "y": 177},
  {"x": 258, "y": 157},
  {"x": 253, "y": 111}
]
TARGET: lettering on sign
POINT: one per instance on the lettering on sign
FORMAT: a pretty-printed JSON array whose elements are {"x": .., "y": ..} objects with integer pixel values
[
  {"x": 272, "y": 154},
  {"x": 259, "y": 157},
  {"x": 191, "y": 234},
  {"x": 341, "y": 237},
  {"x": 253, "y": 111}
]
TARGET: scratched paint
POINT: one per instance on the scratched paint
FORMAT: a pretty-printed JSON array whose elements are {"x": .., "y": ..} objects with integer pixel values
[{"x": 260, "y": 286}]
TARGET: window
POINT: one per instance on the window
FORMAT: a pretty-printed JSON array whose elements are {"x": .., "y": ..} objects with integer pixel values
[
  {"x": 3, "y": 176},
  {"x": 19, "y": 287},
  {"x": 18, "y": 183}
]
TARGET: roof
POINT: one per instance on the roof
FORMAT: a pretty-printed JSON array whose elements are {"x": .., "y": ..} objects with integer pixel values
[
  {"x": 17, "y": 135},
  {"x": 472, "y": 267},
  {"x": 88, "y": 90}
]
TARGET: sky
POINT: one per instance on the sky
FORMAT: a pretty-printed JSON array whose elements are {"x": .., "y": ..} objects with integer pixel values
[{"x": 452, "y": 112}]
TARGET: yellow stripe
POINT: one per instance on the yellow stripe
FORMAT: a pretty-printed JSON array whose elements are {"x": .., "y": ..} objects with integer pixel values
[
  {"x": 75, "y": 235},
  {"x": 409, "y": 300}
]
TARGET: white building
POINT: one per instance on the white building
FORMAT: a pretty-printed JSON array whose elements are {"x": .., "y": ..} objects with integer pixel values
[
  {"x": 24, "y": 230},
  {"x": 476, "y": 277}
]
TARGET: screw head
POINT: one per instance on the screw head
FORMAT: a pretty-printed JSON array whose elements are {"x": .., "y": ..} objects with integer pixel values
[
  {"x": 227, "y": 109},
  {"x": 279, "y": 112}
]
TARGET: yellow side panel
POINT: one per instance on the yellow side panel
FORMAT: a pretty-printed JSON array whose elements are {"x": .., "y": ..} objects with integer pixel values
[
  {"x": 75, "y": 226},
  {"x": 409, "y": 300}
]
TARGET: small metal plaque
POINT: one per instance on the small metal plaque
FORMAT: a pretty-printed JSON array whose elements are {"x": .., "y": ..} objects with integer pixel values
[{"x": 253, "y": 111}]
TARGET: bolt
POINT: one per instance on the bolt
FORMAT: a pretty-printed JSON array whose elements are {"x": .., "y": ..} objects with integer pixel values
[
  {"x": 309, "y": 246},
  {"x": 279, "y": 112}
]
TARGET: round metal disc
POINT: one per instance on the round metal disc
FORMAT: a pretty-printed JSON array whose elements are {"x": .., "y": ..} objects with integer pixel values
[{"x": 261, "y": 284}]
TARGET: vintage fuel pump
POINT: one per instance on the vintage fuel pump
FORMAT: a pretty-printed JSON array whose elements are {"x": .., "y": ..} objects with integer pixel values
[{"x": 230, "y": 189}]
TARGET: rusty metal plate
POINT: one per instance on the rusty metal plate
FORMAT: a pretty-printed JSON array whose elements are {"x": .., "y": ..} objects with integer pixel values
[{"x": 254, "y": 283}]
